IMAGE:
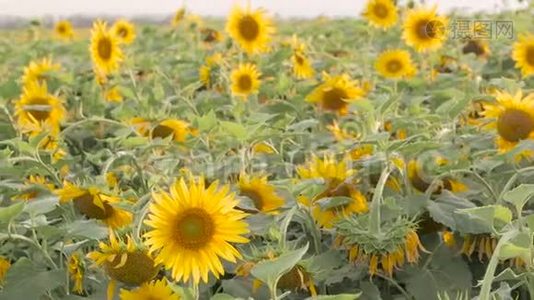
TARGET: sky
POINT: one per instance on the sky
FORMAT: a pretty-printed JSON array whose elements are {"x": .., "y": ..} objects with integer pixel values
[{"x": 284, "y": 8}]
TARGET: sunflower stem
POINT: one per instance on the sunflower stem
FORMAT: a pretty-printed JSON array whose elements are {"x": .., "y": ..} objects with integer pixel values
[{"x": 374, "y": 217}]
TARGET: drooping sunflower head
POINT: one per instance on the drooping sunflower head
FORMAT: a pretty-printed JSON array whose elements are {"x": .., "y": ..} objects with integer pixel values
[
  {"x": 193, "y": 227},
  {"x": 105, "y": 50},
  {"x": 302, "y": 67},
  {"x": 35, "y": 186},
  {"x": 94, "y": 204},
  {"x": 252, "y": 30},
  {"x": 245, "y": 80},
  {"x": 523, "y": 54},
  {"x": 262, "y": 194},
  {"x": 327, "y": 168},
  {"x": 395, "y": 64},
  {"x": 126, "y": 261},
  {"x": 512, "y": 117},
  {"x": 479, "y": 48},
  {"x": 39, "y": 71},
  {"x": 298, "y": 278},
  {"x": 424, "y": 30},
  {"x": 63, "y": 30},
  {"x": 397, "y": 244},
  {"x": 483, "y": 244},
  {"x": 76, "y": 267},
  {"x": 178, "y": 17},
  {"x": 336, "y": 93},
  {"x": 37, "y": 110},
  {"x": 381, "y": 13},
  {"x": 327, "y": 211},
  {"x": 422, "y": 182},
  {"x": 154, "y": 290},
  {"x": 124, "y": 30},
  {"x": 177, "y": 130}
]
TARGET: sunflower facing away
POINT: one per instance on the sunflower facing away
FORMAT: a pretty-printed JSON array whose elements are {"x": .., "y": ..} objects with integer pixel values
[
  {"x": 128, "y": 262},
  {"x": 523, "y": 54},
  {"x": 177, "y": 130},
  {"x": 245, "y": 80},
  {"x": 39, "y": 71},
  {"x": 94, "y": 204},
  {"x": 336, "y": 93},
  {"x": 395, "y": 64},
  {"x": 424, "y": 30},
  {"x": 76, "y": 269},
  {"x": 262, "y": 194},
  {"x": 193, "y": 227},
  {"x": 420, "y": 182},
  {"x": 105, "y": 50},
  {"x": 155, "y": 290},
  {"x": 513, "y": 117},
  {"x": 37, "y": 110},
  {"x": 63, "y": 30},
  {"x": 381, "y": 13},
  {"x": 252, "y": 30},
  {"x": 124, "y": 30}
]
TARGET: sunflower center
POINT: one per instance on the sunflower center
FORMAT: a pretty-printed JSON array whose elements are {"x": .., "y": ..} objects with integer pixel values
[
  {"x": 394, "y": 66},
  {"x": 333, "y": 99},
  {"x": 249, "y": 28},
  {"x": 162, "y": 131},
  {"x": 194, "y": 228},
  {"x": 299, "y": 59},
  {"x": 85, "y": 205},
  {"x": 61, "y": 29},
  {"x": 39, "y": 108},
  {"x": 122, "y": 32},
  {"x": 515, "y": 125},
  {"x": 104, "y": 48},
  {"x": 245, "y": 82},
  {"x": 380, "y": 10},
  {"x": 428, "y": 29},
  {"x": 530, "y": 55},
  {"x": 137, "y": 269},
  {"x": 474, "y": 47},
  {"x": 254, "y": 196}
]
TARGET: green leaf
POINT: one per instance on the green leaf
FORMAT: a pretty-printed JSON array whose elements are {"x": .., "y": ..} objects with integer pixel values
[
  {"x": 9, "y": 213},
  {"x": 332, "y": 202},
  {"x": 336, "y": 297},
  {"x": 519, "y": 196},
  {"x": 26, "y": 281},
  {"x": 87, "y": 229},
  {"x": 482, "y": 219},
  {"x": 41, "y": 205},
  {"x": 235, "y": 129},
  {"x": 207, "y": 121},
  {"x": 269, "y": 271},
  {"x": 518, "y": 246},
  {"x": 442, "y": 209}
]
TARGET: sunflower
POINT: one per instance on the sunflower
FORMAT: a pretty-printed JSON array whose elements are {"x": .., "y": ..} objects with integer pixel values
[
  {"x": 124, "y": 30},
  {"x": 448, "y": 238},
  {"x": 302, "y": 68},
  {"x": 205, "y": 71},
  {"x": 263, "y": 147},
  {"x": 424, "y": 30},
  {"x": 210, "y": 35},
  {"x": 94, "y": 204},
  {"x": 513, "y": 117},
  {"x": 35, "y": 185},
  {"x": 336, "y": 93},
  {"x": 483, "y": 244},
  {"x": 339, "y": 134},
  {"x": 177, "y": 130},
  {"x": 245, "y": 80},
  {"x": 477, "y": 47},
  {"x": 155, "y": 290},
  {"x": 178, "y": 17},
  {"x": 127, "y": 262},
  {"x": 419, "y": 180},
  {"x": 37, "y": 110},
  {"x": 4, "y": 267},
  {"x": 523, "y": 54},
  {"x": 395, "y": 64},
  {"x": 262, "y": 194},
  {"x": 252, "y": 30},
  {"x": 105, "y": 50},
  {"x": 113, "y": 94},
  {"x": 76, "y": 269},
  {"x": 64, "y": 30},
  {"x": 38, "y": 71},
  {"x": 381, "y": 13},
  {"x": 193, "y": 228},
  {"x": 327, "y": 168}
]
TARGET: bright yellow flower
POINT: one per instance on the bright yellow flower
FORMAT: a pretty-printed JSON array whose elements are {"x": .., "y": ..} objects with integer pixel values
[
  {"x": 395, "y": 64},
  {"x": 113, "y": 94},
  {"x": 76, "y": 269},
  {"x": 192, "y": 228},
  {"x": 38, "y": 71},
  {"x": 336, "y": 93},
  {"x": 381, "y": 13},
  {"x": 328, "y": 168},
  {"x": 245, "y": 80},
  {"x": 252, "y": 30},
  {"x": 64, "y": 30},
  {"x": 302, "y": 68},
  {"x": 155, "y": 290},
  {"x": 124, "y": 30},
  {"x": 424, "y": 30},
  {"x": 105, "y": 50},
  {"x": 179, "y": 130},
  {"x": 205, "y": 71},
  {"x": 329, "y": 216},
  {"x": 262, "y": 194},
  {"x": 4, "y": 267},
  {"x": 263, "y": 147},
  {"x": 523, "y": 54},
  {"x": 178, "y": 17}
]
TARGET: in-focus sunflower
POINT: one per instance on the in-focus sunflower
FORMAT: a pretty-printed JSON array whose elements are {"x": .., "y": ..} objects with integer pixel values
[
  {"x": 76, "y": 269},
  {"x": 424, "y": 30},
  {"x": 262, "y": 194},
  {"x": 381, "y": 13},
  {"x": 395, "y": 64},
  {"x": 336, "y": 93},
  {"x": 155, "y": 290},
  {"x": 245, "y": 80},
  {"x": 477, "y": 47},
  {"x": 513, "y": 117},
  {"x": 124, "y": 30},
  {"x": 177, "y": 130},
  {"x": 178, "y": 17},
  {"x": 94, "y": 204},
  {"x": 37, "y": 110},
  {"x": 193, "y": 228},
  {"x": 38, "y": 71},
  {"x": 4, "y": 267},
  {"x": 252, "y": 30},
  {"x": 64, "y": 30},
  {"x": 128, "y": 262},
  {"x": 523, "y": 54},
  {"x": 105, "y": 50}
]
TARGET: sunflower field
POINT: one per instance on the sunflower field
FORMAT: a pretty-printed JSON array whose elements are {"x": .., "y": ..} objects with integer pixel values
[{"x": 385, "y": 156}]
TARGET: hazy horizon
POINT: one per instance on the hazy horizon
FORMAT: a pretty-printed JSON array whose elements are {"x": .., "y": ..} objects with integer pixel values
[{"x": 293, "y": 8}]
